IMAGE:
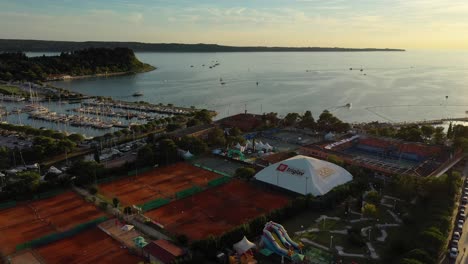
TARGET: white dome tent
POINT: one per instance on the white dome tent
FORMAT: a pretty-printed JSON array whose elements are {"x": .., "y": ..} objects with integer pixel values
[{"x": 305, "y": 175}]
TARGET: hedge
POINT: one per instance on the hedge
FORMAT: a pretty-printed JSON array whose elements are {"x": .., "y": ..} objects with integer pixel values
[
  {"x": 7, "y": 204},
  {"x": 188, "y": 192},
  {"x": 154, "y": 204}
]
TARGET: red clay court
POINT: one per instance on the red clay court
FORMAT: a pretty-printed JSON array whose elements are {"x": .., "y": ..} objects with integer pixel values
[
  {"x": 162, "y": 182},
  {"x": 35, "y": 219},
  {"x": 217, "y": 210},
  {"x": 90, "y": 246}
]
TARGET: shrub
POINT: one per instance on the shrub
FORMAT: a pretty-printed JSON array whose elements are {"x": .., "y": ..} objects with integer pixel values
[{"x": 93, "y": 190}]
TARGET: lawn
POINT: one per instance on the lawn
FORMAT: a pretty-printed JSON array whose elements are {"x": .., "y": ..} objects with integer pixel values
[{"x": 11, "y": 90}]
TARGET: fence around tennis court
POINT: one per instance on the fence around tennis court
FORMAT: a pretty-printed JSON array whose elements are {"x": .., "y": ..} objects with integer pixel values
[{"x": 60, "y": 235}]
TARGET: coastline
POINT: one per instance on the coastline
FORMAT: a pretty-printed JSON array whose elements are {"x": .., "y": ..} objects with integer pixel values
[{"x": 76, "y": 77}]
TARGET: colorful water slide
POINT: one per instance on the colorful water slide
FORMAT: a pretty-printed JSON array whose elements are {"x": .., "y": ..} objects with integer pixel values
[
  {"x": 285, "y": 236},
  {"x": 271, "y": 242},
  {"x": 276, "y": 239}
]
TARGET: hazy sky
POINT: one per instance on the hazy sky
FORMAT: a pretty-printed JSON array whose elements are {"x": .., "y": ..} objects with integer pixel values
[{"x": 337, "y": 23}]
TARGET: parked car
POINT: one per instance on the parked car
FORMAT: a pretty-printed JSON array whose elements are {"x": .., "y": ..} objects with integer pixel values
[
  {"x": 454, "y": 243},
  {"x": 462, "y": 216},
  {"x": 461, "y": 221},
  {"x": 453, "y": 252},
  {"x": 464, "y": 200},
  {"x": 456, "y": 235},
  {"x": 459, "y": 227},
  {"x": 461, "y": 210}
]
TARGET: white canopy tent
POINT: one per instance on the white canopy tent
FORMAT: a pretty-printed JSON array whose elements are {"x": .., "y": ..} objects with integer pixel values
[
  {"x": 243, "y": 246},
  {"x": 188, "y": 155},
  {"x": 305, "y": 175},
  {"x": 54, "y": 170}
]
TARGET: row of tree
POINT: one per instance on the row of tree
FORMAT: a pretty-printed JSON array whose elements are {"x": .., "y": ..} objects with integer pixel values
[
  {"x": 414, "y": 133},
  {"x": 327, "y": 122},
  {"x": 423, "y": 236}
]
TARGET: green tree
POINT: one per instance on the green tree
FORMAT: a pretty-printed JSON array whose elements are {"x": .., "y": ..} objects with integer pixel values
[
  {"x": 307, "y": 120},
  {"x": 85, "y": 172},
  {"x": 25, "y": 182},
  {"x": 167, "y": 152},
  {"x": 427, "y": 131},
  {"x": 373, "y": 197},
  {"x": 193, "y": 144},
  {"x": 216, "y": 137},
  {"x": 369, "y": 210},
  {"x": 291, "y": 119},
  {"x": 450, "y": 131},
  {"x": 127, "y": 210},
  {"x": 439, "y": 135},
  {"x": 245, "y": 173},
  {"x": 433, "y": 239},
  {"x": 75, "y": 137},
  {"x": 145, "y": 156},
  {"x": 115, "y": 202},
  {"x": 4, "y": 158},
  {"x": 410, "y": 261},
  {"x": 235, "y": 132},
  {"x": 204, "y": 116}
]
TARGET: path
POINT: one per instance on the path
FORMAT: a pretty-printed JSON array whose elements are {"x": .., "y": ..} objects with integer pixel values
[{"x": 114, "y": 211}]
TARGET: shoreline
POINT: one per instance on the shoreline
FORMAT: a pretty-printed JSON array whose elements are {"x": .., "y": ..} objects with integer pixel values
[{"x": 97, "y": 75}]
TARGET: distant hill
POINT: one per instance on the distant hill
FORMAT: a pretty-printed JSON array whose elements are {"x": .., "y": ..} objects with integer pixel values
[
  {"x": 11, "y": 45},
  {"x": 79, "y": 63}
]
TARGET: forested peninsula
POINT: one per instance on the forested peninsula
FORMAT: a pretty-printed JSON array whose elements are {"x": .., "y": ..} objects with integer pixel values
[
  {"x": 59, "y": 46},
  {"x": 16, "y": 66}
]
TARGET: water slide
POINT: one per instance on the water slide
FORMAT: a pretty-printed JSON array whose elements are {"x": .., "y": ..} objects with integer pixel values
[
  {"x": 276, "y": 239},
  {"x": 273, "y": 244},
  {"x": 284, "y": 236}
]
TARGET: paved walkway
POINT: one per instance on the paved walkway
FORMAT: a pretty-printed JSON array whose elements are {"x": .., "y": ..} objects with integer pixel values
[
  {"x": 305, "y": 240},
  {"x": 114, "y": 211}
]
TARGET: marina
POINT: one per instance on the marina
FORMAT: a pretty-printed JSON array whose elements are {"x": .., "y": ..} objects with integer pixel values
[{"x": 66, "y": 117}]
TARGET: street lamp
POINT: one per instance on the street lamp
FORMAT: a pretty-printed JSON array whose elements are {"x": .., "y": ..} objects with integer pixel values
[{"x": 331, "y": 242}]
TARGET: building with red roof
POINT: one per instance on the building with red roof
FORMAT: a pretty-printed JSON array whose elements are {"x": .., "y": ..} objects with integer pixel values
[{"x": 162, "y": 251}]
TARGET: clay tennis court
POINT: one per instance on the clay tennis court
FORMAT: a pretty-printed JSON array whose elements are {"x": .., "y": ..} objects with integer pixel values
[
  {"x": 36, "y": 219},
  {"x": 90, "y": 246},
  {"x": 217, "y": 210},
  {"x": 162, "y": 182}
]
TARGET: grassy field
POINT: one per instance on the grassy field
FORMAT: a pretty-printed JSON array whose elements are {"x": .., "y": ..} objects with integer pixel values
[{"x": 11, "y": 90}]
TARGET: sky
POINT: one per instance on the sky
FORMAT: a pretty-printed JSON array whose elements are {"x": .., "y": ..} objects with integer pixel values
[{"x": 410, "y": 24}]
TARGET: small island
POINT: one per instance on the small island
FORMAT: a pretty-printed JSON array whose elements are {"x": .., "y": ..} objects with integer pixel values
[{"x": 89, "y": 62}]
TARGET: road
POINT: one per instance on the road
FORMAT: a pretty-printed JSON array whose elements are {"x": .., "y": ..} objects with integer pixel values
[{"x": 463, "y": 242}]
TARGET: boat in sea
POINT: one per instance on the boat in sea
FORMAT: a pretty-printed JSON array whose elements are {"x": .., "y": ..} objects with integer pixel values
[{"x": 136, "y": 94}]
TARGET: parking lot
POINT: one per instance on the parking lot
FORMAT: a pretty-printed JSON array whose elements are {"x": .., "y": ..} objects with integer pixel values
[{"x": 13, "y": 140}]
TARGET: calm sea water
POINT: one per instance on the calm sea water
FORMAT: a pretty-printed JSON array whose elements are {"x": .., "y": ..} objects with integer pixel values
[{"x": 393, "y": 86}]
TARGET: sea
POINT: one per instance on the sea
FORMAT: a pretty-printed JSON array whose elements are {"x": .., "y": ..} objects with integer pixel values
[
  {"x": 414, "y": 85},
  {"x": 379, "y": 86}
]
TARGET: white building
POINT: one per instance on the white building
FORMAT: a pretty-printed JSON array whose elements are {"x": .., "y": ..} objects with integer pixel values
[{"x": 305, "y": 175}]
